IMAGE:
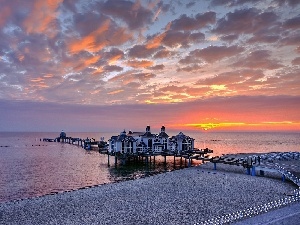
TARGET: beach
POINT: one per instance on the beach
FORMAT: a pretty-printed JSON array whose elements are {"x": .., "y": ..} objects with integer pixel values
[{"x": 187, "y": 196}]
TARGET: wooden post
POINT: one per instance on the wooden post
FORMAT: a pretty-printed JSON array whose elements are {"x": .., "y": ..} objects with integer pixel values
[
  {"x": 108, "y": 160},
  {"x": 189, "y": 162},
  {"x": 248, "y": 171},
  {"x": 283, "y": 178},
  {"x": 215, "y": 166},
  {"x": 174, "y": 160},
  {"x": 253, "y": 171},
  {"x": 116, "y": 159}
]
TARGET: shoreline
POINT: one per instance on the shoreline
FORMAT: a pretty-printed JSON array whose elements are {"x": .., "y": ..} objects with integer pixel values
[{"x": 187, "y": 196}]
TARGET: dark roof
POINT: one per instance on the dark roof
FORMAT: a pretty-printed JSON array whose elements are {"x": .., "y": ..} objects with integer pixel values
[
  {"x": 148, "y": 134},
  {"x": 113, "y": 138},
  {"x": 163, "y": 135},
  {"x": 135, "y": 133}
]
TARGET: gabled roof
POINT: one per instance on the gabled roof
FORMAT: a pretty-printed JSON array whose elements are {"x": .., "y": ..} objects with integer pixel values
[
  {"x": 148, "y": 134},
  {"x": 163, "y": 135},
  {"x": 113, "y": 138},
  {"x": 135, "y": 133}
]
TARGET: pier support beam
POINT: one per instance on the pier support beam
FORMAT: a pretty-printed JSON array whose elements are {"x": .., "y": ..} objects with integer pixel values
[
  {"x": 215, "y": 166},
  {"x": 253, "y": 171},
  {"x": 108, "y": 160},
  {"x": 248, "y": 171},
  {"x": 262, "y": 173},
  {"x": 174, "y": 161}
]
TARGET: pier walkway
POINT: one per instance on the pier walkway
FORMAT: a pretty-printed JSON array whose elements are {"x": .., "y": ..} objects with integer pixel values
[{"x": 263, "y": 163}]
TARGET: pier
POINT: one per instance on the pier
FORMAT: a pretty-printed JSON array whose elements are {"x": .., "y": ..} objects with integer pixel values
[
  {"x": 87, "y": 143},
  {"x": 259, "y": 164},
  {"x": 145, "y": 147},
  {"x": 149, "y": 156},
  {"x": 186, "y": 157},
  {"x": 142, "y": 147}
]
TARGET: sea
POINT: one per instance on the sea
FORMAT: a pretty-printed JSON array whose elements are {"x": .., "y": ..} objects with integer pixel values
[{"x": 32, "y": 168}]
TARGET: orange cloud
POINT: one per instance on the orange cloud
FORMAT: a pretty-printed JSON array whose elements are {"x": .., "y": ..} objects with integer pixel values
[
  {"x": 115, "y": 92},
  {"x": 21, "y": 57},
  {"x": 39, "y": 79},
  {"x": 85, "y": 62},
  {"x": 41, "y": 18},
  {"x": 48, "y": 75},
  {"x": 90, "y": 42},
  {"x": 98, "y": 70},
  {"x": 115, "y": 58},
  {"x": 157, "y": 40}
]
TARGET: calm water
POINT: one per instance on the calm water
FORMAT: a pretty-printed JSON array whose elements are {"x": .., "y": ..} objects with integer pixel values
[{"x": 31, "y": 168}]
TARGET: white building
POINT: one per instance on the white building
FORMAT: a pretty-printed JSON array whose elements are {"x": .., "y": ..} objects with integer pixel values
[{"x": 140, "y": 142}]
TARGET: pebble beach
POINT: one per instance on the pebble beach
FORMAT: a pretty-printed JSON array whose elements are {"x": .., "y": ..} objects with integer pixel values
[{"x": 188, "y": 196}]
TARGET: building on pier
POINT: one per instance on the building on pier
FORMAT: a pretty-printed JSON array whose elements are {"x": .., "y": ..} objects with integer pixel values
[
  {"x": 181, "y": 142},
  {"x": 141, "y": 142}
]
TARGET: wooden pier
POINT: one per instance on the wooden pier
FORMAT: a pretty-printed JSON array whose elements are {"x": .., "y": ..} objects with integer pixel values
[
  {"x": 148, "y": 156},
  {"x": 252, "y": 163},
  {"x": 87, "y": 143},
  {"x": 262, "y": 163}
]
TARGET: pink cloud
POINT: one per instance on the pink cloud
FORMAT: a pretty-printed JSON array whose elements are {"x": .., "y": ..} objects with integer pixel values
[{"x": 42, "y": 18}]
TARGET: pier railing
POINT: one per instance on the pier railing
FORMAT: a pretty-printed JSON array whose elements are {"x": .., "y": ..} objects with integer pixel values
[
  {"x": 253, "y": 211},
  {"x": 263, "y": 208}
]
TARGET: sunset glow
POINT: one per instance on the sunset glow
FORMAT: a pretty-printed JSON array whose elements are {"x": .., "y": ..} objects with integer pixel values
[
  {"x": 264, "y": 126},
  {"x": 110, "y": 65}
]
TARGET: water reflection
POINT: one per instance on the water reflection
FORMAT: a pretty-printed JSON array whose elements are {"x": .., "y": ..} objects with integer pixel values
[
  {"x": 140, "y": 169},
  {"x": 32, "y": 168}
]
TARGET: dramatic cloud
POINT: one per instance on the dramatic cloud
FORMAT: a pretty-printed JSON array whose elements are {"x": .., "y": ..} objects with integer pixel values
[
  {"x": 245, "y": 21},
  {"x": 260, "y": 59},
  {"x": 215, "y": 53},
  {"x": 132, "y": 52},
  {"x": 133, "y": 14},
  {"x": 188, "y": 23}
]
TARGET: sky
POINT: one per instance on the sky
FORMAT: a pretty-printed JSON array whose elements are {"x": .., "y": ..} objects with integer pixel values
[{"x": 98, "y": 65}]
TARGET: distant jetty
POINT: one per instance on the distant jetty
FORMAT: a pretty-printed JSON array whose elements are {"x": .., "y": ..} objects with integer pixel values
[{"x": 87, "y": 143}]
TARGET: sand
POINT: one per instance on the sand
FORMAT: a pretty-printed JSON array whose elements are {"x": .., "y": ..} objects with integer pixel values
[{"x": 186, "y": 196}]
